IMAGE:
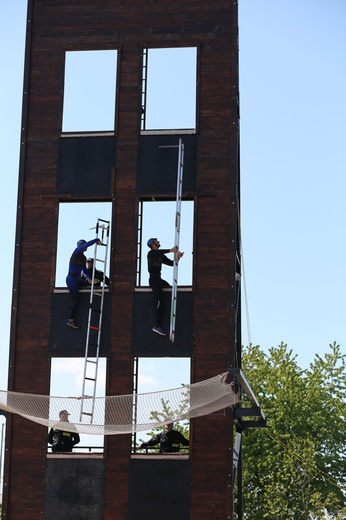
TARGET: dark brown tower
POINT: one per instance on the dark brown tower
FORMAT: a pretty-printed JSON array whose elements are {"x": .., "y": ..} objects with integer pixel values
[{"x": 126, "y": 165}]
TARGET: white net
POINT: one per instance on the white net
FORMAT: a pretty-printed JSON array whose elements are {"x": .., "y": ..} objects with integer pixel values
[{"x": 113, "y": 415}]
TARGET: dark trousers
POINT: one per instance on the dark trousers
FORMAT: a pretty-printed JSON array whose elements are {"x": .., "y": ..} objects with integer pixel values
[
  {"x": 73, "y": 283},
  {"x": 157, "y": 284}
]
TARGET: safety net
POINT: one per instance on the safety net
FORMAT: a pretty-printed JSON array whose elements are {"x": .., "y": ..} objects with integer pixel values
[{"x": 122, "y": 414}]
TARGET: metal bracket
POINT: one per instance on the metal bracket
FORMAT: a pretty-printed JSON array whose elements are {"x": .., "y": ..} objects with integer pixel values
[{"x": 240, "y": 382}]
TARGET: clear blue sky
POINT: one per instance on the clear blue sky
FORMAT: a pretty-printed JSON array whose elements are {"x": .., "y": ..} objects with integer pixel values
[
  {"x": 293, "y": 165},
  {"x": 293, "y": 113}
]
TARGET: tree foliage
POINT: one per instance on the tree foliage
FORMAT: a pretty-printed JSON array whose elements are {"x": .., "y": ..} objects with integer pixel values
[{"x": 296, "y": 467}]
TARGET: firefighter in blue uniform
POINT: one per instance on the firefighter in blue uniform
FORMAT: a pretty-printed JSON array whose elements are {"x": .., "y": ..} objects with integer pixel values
[{"x": 76, "y": 275}]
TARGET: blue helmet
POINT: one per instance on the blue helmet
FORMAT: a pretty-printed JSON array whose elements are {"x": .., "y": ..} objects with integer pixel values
[
  {"x": 81, "y": 242},
  {"x": 151, "y": 241}
]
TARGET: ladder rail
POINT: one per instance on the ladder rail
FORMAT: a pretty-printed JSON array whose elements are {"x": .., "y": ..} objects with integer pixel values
[
  {"x": 102, "y": 232},
  {"x": 144, "y": 87},
  {"x": 139, "y": 244},
  {"x": 135, "y": 403},
  {"x": 180, "y": 173}
]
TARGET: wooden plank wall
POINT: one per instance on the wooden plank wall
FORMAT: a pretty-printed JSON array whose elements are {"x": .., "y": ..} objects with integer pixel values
[{"x": 55, "y": 26}]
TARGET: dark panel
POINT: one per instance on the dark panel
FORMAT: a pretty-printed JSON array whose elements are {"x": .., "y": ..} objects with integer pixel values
[
  {"x": 74, "y": 489},
  {"x": 85, "y": 165},
  {"x": 145, "y": 342},
  {"x": 158, "y": 165},
  {"x": 65, "y": 341},
  {"x": 159, "y": 489}
]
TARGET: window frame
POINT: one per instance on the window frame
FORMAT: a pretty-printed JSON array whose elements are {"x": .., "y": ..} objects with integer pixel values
[{"x": 143, "y": 126}]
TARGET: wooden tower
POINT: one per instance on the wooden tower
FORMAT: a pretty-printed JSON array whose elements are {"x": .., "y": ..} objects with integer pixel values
[{"x": 126, "y": 165}]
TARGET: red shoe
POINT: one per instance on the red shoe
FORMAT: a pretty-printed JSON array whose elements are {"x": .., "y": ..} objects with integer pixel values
[{"x": 73, "y": 324}]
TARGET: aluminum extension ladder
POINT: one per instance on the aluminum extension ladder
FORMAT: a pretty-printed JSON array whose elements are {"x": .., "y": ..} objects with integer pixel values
[
  {"x": 94, "y": 327},
  {"x": 176, "y": 239}
]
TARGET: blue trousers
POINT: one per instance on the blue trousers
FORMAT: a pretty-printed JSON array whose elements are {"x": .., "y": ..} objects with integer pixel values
[{"x": 73, "y": 283}]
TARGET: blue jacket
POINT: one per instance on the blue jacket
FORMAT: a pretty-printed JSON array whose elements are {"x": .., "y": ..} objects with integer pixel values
[{"x": 78, "y": 259}]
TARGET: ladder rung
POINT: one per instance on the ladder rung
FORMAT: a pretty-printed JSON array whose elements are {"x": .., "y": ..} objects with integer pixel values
[
  {"x": 87, "y": 413},
  {"x": 94, "y": 328},
  {"x": 90, "y": 379},
  {"x": 91, "y": 361}
]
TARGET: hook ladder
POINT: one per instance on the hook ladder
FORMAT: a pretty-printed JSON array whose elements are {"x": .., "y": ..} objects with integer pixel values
[
  {"x": 176, "y": 239},
  {"x": 94, "y": 327}
]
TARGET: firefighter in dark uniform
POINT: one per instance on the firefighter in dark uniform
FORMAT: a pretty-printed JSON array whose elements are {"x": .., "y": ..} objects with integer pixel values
[
  {"x": 169, "y": 440},
  {"x": 61, "y": 440},
  {"x": 157, "y": 257},
  {"x": 99, "y": 276}
]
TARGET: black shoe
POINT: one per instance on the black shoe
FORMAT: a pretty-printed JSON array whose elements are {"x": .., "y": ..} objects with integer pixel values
[{"x": 158, "y": 330}]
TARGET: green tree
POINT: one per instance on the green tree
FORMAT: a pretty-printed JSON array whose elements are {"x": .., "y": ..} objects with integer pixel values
[{"x": 296, "y": 467}]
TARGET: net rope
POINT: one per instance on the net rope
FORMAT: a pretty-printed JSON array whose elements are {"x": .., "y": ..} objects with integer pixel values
[{"x": 122, "y": 414}]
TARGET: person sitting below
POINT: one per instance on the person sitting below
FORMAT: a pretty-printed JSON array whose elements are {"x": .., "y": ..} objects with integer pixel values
[
  {"x": 99, "y": 276},
  {"x": 169, "y": 440}
]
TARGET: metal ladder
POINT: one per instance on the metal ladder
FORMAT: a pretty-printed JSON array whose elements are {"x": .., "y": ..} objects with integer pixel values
[
  {"x": 176, "y": 239},
  {"x": 139, "y": 243},
  {"x": 135, "y": 403},
  {"x": 144, "y": 87},
  {"x": 94, "y": 327}
]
